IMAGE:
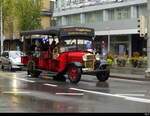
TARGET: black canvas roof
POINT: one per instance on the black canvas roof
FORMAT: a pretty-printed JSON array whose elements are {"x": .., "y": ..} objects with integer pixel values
[
  {"x": 54, "y": 32},
  {"x": 59, "y": 31}
]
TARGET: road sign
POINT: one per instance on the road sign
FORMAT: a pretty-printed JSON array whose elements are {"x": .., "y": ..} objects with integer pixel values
[{"x": 141, "y": 26}]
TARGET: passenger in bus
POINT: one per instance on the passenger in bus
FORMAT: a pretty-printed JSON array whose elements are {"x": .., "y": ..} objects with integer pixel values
[
  {"x": 56, "y": 51},
  {"x": 52, "y": 46},
  {"x": 33, "y": 46}
]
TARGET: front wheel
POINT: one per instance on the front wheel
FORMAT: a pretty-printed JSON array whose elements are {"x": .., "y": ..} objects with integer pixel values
[
  {"x": 74, "y": 74},
  {"x": 103, "y": 76}
]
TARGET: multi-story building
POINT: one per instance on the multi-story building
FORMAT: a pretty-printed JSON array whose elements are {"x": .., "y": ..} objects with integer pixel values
[
  {"x": 115, "y": 22},
  {"x": 12, "y": 39}
]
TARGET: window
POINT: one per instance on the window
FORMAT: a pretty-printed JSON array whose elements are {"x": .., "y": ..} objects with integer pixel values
[
  {"x": 122, "y": 13},
  {"x": 5, "y": 54},
  {"x": 119, "y": 13},
  {"x": 111, "y": 15},
  {"x": 73, "y": 19},
  {"x": 142, "y": 10},
  {"x": 93, "y": 17},
  {"x": 58, "y": 21}
]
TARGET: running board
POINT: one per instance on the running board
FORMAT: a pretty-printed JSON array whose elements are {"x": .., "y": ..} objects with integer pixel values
[{"x": 47, "y": 73}]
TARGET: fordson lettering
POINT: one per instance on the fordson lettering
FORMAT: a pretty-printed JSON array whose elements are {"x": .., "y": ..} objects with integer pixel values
[
  {"x": 79, "y": 30},
  {"x": 77, "y": 33}
]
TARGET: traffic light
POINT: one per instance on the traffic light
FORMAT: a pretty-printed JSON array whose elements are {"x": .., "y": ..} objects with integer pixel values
[{"x": 141, "y": 26}]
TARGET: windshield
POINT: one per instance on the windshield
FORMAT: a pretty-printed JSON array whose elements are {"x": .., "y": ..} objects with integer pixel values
[
  {"x": 69, "y": 45},
  {"x": 15, "y": 54}
]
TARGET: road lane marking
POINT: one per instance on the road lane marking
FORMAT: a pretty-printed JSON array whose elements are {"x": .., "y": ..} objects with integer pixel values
[
  {"x": 75, "y": 94},
  {"x": 16, "y": 92},
  {"x": 51, "y": 85},
  {"x": 115, "y": 95},
  {"x": 25, "y": 80},
  {"x": 14, "y": 77},
  {"x": 140, "y": 95},
  {"x": 133, "y": 81}
]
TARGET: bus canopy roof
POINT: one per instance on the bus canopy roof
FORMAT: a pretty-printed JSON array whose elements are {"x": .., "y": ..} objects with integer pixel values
[{"x": 62, "y": 32}]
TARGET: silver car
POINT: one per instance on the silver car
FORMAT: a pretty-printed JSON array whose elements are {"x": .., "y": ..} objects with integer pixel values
[{"x": 11, "y": 60}]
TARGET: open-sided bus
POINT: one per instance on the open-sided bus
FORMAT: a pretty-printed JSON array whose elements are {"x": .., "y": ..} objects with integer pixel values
[{"x": 71, "y": 58}]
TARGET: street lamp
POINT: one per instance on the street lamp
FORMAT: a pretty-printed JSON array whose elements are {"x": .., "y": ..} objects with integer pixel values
[
  {"x": 108, "y": 37},
  {"x": 1, "y": 24},
  {"x": 147, "y": 72}
]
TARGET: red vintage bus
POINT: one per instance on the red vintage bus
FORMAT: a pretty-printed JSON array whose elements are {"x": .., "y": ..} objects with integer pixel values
[{"x": 72, "y": 59}]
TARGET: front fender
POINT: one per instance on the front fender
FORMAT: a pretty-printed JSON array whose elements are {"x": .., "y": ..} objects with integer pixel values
[
  {"x": 104, "y": 62},
  {"x": 77, "y": 64}
]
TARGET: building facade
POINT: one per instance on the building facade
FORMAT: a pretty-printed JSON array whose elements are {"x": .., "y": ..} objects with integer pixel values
[{"x": 115, "y": 22}]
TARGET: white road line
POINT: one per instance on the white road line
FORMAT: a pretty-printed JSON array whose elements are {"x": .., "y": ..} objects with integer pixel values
[
  {"x": 69, "y": 94},
  {"x": 51, "y": 85},
  {"x": 17, "y": 92},
  {"x": 15, "y": 77},
  {"x": 140, "y": 95},
  {"x": 135, "y": 81},
  {"x": 115, "y": 95},
  {"x": 25, "y": 80}
]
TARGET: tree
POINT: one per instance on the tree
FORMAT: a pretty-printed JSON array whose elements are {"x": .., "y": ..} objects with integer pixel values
[
  {"x": 8, "y": 13},
  {"x": 29, "y": 14}
]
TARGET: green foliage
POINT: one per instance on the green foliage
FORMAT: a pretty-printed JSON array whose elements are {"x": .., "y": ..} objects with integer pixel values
[
  {"x": 8, "y": 13},
  {"x": 29, "y": 14},
  {"x": 110, "y": 61}
]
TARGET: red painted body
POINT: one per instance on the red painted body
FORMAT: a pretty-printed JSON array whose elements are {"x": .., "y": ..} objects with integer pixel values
[{"x": 56, "y": 65}]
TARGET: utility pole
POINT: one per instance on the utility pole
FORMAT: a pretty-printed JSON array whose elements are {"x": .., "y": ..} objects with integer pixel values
[
  {"x": 1, "y": 24},
  {"x": 147, "y": 72}
]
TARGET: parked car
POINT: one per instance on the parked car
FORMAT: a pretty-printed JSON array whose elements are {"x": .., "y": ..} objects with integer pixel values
[{"x": 11, "y": 60}]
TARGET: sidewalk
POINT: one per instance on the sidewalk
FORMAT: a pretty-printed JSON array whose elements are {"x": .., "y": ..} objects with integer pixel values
[{"x": 129, "y": 73}]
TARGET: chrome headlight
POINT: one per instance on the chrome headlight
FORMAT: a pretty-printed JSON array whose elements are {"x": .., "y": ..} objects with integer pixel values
[
  {"x": 84, "y": 58},
  {"x": 97, "y": 57},
  {"x": 87, "y": 57}
]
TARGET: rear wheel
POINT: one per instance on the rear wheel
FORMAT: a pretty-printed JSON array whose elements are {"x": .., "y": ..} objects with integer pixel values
[
  {"x": 31, "y": 69},
  {"x": 74, "y": 74}
]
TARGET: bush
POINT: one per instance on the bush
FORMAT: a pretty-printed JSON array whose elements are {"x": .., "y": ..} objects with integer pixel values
[
  {"x": 121, "y": 60},
  {"x": 110, "y": 61},
  {"x": 137, "y": 60}
]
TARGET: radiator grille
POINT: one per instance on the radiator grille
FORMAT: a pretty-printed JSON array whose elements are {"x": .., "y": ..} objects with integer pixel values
[{"x": 89, "y": 63}]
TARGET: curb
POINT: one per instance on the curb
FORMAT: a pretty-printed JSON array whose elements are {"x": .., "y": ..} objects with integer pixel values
[{"x": 129, "y": 77}]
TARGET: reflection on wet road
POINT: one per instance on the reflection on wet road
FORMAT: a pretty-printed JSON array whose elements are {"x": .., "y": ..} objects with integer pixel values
[{"x": 19, "y": 93}]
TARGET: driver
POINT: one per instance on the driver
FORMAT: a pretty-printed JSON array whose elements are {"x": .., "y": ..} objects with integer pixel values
[{"x": 56, "y": 50}]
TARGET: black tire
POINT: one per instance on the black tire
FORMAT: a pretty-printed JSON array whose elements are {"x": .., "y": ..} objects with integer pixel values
[
  {"x": 31, "y": 69},
  {"x": 74, "y": 74},
  {"x": 103, "y": 76},
  {"x": 35, "y": 73},
  {"x": 59, "y": 77}
]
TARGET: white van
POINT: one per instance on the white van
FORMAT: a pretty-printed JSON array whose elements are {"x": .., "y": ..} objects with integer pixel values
[{"x": 11, "y": 60}]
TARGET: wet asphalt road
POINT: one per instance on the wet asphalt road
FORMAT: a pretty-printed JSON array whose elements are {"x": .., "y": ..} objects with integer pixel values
[{"x": 18, "y": 93}]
